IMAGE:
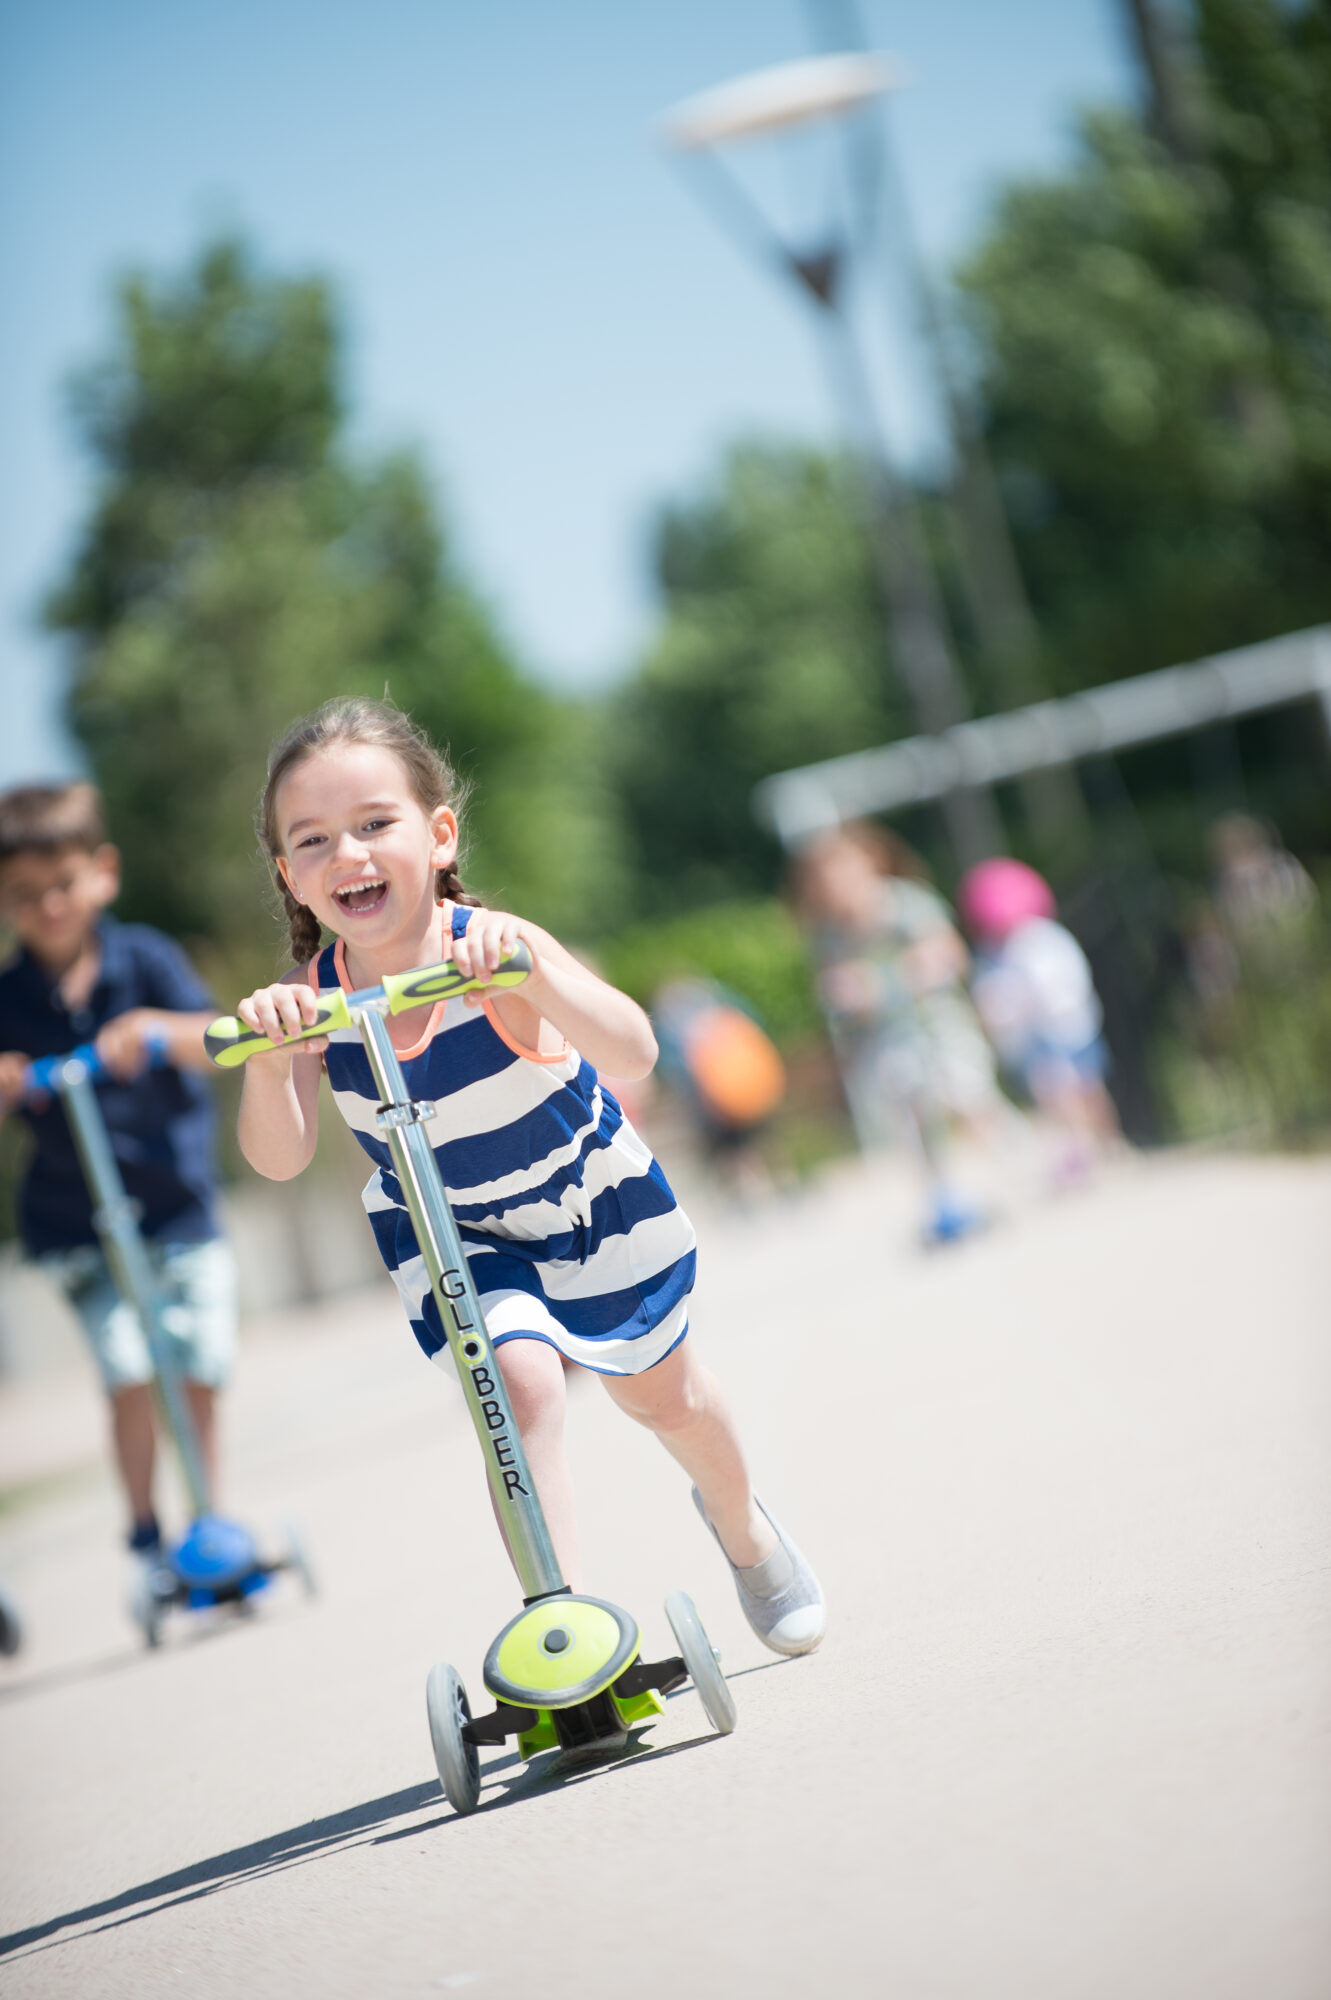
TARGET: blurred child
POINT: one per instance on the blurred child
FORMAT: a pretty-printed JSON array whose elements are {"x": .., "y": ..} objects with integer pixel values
[
  {"x": 1263, "y": 894},
  {"x": 1036, "y": 997},
  {"x": 890, "y": 969},
  {"x": 725, "y": 1070},
  {"x": 80, "y": 976}
]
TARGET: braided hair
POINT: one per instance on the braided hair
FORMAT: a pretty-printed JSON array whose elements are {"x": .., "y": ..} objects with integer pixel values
[{"x": 355, "y": 719}]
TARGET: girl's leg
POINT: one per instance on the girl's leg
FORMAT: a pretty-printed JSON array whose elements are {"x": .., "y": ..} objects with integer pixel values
[
  {"x": 533, "y": 1374},
  {"x": 683, "y": 1403}
]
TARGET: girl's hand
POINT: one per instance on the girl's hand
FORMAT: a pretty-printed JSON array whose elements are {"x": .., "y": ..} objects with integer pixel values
[
  {"x": 280, "y": 1011},
  {"x": 490, "y": 935},
  {"x": 852, "y": 987},
  {"x": 935, "y": 962}
]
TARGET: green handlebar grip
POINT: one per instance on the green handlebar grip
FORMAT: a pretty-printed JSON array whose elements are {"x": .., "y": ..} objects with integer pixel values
[
  {"x": 429, "y": 983},
  {"x": 229, "y": 1042}
]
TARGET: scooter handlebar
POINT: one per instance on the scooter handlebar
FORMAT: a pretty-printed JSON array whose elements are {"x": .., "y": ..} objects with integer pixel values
[
  {"x": 46, "y": 1074},
  {"x": 229, "y": 1042}
]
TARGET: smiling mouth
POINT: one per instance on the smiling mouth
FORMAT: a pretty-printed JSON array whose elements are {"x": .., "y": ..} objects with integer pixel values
[{"x": 361, "y": 899}]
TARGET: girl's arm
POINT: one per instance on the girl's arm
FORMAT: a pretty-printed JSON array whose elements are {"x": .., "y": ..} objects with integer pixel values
[
  {"x": 602, "y": 1023},
  {"x": 938, "y": 959},
  {"x": 279, "y": 1106}
]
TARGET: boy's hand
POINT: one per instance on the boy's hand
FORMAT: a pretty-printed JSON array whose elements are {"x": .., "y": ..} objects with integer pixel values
[
  {"x": 125, "y": 1045},
  {"x": 279, "y": 1011},
  {"x": 490, "y": 935},
  {"x": 13, "y": 1070}
]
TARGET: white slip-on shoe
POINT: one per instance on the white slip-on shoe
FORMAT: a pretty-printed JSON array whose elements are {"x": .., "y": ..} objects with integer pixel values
[{"x": 780, "y": 1596}]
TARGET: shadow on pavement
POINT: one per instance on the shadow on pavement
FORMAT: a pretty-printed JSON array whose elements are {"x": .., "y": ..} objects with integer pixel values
[
  {"x": 71, "y": 1676},
  {"x": 547, "y": 1773},
  {"x": 204, "y": 1628},
  {"x": 241, "y": 1864},
  {"x": 319, "y": 1836}
]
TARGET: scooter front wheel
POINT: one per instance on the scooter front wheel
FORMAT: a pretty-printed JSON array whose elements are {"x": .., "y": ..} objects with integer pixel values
[
  {"x": 702, "y": 1663},
  {"x": 459, "y": 1762}
]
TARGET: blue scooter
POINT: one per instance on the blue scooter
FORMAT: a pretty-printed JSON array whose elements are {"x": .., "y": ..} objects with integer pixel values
[{"x": 216, "y": 1561}]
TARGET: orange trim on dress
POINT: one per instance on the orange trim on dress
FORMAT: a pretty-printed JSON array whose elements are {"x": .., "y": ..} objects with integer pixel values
[
  {"x": 437, "y": 1015},
  {"x": 488, "y": 1009},
  {"x": 310, "y": 980},
  {"x": 431, "y": 1026},
  {"x": 528, "y": 1055}
]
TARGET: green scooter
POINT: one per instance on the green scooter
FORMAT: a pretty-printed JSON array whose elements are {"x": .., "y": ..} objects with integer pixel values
[{"x": 567, "y": 1671}]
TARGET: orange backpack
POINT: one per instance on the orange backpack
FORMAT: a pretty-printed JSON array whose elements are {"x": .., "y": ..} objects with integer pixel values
[{"x": 736, "y": 1072}]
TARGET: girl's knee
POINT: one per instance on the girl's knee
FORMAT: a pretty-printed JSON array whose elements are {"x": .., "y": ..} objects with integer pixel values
[
  {"x": 534, "y": 1379},
  {"x": 666, "y": 1398},
  {"x": 675, "y": 1413}
]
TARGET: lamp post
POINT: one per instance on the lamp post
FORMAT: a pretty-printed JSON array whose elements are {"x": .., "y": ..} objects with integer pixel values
[
  {"x": 990, "y": 574},
  {"x": 778, "y": 100}
]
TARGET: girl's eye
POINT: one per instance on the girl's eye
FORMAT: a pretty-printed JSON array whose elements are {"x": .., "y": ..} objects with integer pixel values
[
  {"x": 310, "y": 840},
  {"x": 373, "y": 825}
]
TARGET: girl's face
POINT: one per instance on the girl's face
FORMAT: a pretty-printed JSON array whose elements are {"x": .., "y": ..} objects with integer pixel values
[
  {"x": 843, "y": 878},
  {"x": 357, "y": 846}
]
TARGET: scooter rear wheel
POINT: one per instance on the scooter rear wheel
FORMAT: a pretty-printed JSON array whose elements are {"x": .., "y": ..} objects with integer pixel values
[
  {"x": 11, "y": 1625},
  {"x": 145, "y": 1606},
  {"x": 702, "y": 1663},
  {"x": 295, "y": 1557},
  {"x": 458, "y": 1762}
]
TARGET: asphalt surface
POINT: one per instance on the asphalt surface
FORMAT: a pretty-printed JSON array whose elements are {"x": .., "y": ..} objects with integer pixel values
[{"x": 1068, "y": 1488}]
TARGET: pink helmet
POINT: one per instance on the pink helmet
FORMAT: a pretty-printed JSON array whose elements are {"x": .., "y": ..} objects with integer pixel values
[{"x": 996, "y": 896}]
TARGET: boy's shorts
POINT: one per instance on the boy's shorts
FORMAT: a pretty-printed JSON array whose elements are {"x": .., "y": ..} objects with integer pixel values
[{"x": 198, "y": 1282}]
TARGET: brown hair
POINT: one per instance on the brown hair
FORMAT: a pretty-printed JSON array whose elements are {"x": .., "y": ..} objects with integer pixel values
[
  {"x": 355, "y": 719},
  {"x": 889, "y": 854},
  {"x": 41, "y": 819}
]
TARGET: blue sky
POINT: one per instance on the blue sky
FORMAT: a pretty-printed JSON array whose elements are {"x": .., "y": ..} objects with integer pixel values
[{"x": 532, "y": 293}]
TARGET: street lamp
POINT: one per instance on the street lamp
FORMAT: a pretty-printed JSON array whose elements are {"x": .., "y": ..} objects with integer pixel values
[{"x": 779, "y": 100}]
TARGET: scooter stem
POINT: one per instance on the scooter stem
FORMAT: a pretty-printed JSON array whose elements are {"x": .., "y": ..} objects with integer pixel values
[
  {"x": 114, "y": 1218},
  {"x": 401, "y": 1120}
]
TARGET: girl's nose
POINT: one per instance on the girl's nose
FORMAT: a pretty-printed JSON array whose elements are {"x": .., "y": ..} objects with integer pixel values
[{"x": 349, "y": 848}]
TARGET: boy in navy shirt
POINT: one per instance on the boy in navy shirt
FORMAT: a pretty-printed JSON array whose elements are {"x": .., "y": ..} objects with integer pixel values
[{"x": 82, "y": 977}]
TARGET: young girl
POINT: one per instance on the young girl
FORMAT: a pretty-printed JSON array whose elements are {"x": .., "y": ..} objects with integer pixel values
[
  {"x": 574, "y": 1239},
  {"x": 1037, "y": 999},
  {"x": 890, "y": 972}
]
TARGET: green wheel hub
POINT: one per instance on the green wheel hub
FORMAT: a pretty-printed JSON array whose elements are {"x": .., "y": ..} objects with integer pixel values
[{"x": 560, "y": 1652}]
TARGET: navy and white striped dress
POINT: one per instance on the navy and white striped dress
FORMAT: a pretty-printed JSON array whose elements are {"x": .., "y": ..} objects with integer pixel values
[{"x": 572, "y": 1233}]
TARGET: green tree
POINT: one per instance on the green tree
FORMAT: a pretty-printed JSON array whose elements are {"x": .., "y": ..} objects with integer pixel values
[
  {"x": 238, "y": 566},
  {"x": 1154, "y": 334},
  {"x": 772, "y": 653}
]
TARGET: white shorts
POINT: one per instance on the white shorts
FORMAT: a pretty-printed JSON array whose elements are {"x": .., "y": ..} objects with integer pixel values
[{"x": 198, "y": 1282}]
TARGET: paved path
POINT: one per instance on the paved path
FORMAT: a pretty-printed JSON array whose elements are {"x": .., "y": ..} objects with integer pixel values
[{"x": 1067, "y": 1738}]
